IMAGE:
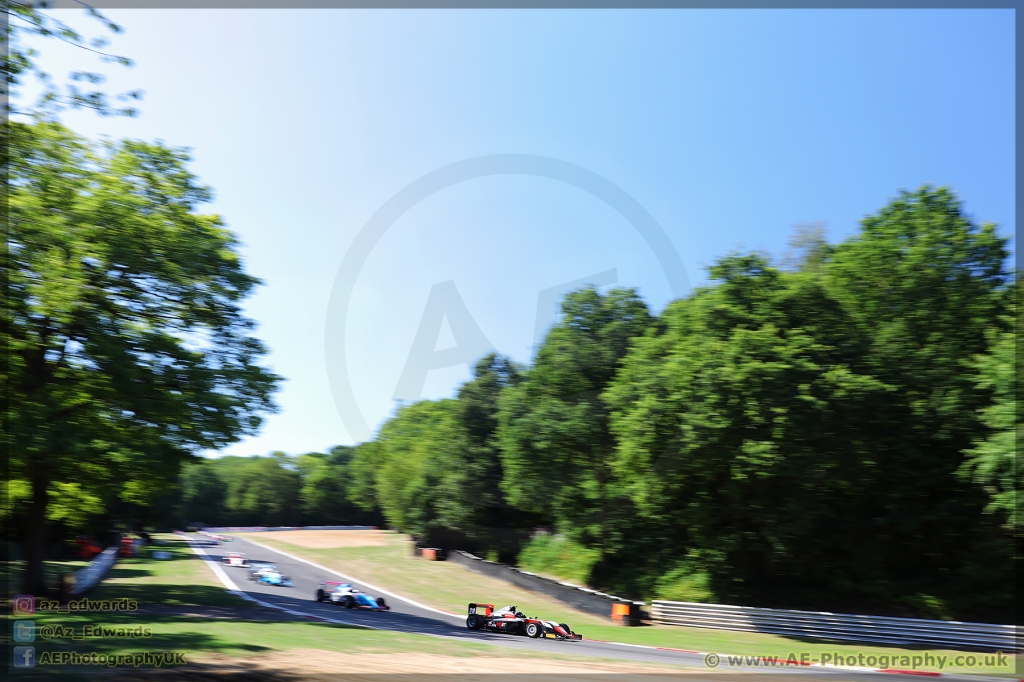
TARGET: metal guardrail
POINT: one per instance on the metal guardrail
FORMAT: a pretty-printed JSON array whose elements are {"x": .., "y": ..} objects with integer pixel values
[{"x": 839, "y": 626}]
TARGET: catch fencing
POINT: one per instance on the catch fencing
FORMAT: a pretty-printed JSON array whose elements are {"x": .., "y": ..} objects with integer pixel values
[{"x": 839, "y": 626}]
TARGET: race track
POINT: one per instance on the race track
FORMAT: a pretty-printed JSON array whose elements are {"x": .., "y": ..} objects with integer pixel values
[{"x": 410, "y": 617}]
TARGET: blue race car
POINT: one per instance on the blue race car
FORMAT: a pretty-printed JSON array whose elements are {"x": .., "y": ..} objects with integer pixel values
[
  {"x": 349, "y": 597},
  {"x": 269, "y": 575}
]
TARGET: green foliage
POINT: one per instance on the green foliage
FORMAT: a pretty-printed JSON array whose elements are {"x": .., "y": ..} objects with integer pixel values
[
  {"x": 308, "y": 489},
  {"x": 559, "y": 557},
  {"x": 992, "y": 461},
  {"x": 124, "y": 340},
  {"x": 410, "y": 458},
  {"x": 202, "y": 493},
  {"x": 800, "y": 433},
  {"x": 435, "y": 469},
  {"x": 838, "y": 434},
  {"x": 553, "y": 427},
  {"x": 688, "y": 582},
  {"x": 261, "y": 489}
]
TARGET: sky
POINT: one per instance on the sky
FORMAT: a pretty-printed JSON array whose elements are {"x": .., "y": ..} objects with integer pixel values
[{"x": 620, "y": 142}]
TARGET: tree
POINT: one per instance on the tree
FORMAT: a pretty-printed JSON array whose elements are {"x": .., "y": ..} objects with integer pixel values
[
  {"x": 202, "y": 494},
  {"x": 796, "y": 437},
  {"x": 261, "y": 490},
  {"x": 992, "y": 461},
  {"x": 126, "y": 346},
  {"x": 407, "y": 462},
  {"x": 553, "y": 426},
  {"x": 469, "y": 497},
  {"x": 326, "y": 479},
  {"x": 739, "y": 436},
  {"x": 18, "y": 60},
  {"x": 927, "y": 286}
]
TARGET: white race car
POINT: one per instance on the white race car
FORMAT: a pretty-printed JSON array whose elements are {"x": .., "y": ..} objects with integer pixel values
[
  {"x": 349, "y": 597},
  {"x": 268, "y": 574},
  {"x": 235, "y": 559}
]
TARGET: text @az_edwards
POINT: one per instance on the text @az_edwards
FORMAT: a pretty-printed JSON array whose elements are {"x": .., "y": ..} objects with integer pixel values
[
  {"x": 862, "y": 660},
  {"x": 59, "y": 631}
]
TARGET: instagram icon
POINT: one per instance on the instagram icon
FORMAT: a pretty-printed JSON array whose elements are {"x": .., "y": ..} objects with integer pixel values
[{"x": 24, "y": 605}]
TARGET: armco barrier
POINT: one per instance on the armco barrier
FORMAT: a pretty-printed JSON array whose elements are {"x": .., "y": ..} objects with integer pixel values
[
  {"x": 84, "y": 579},
  {"x": 839, "y": 626},
  {"x": 582, "y": 598}
]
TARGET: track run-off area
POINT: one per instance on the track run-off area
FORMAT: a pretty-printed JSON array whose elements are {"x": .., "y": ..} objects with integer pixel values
[{"x": 408, "y": 616}]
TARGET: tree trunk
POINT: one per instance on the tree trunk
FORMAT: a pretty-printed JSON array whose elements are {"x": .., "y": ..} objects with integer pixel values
[{"x": 36, "y": 545}]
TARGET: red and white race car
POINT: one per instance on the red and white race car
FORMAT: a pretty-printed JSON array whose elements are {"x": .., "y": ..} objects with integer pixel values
[
  {"x": 235, "y": 559},
  {"x": 512, "y": 621}
]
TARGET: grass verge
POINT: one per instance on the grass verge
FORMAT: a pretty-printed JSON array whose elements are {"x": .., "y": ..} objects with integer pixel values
[
  {"x": 182, "y": 607},
  {"x": 448, "y": 586}
]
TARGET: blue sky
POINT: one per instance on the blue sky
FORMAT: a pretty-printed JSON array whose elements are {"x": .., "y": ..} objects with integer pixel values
[{"x": 729, "y": 127}]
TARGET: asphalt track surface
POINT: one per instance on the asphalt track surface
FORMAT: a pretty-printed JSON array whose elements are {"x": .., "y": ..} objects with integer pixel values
[{"x": 410, "y": 617}]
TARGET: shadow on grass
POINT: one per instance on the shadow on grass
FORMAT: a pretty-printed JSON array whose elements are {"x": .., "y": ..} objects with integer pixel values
[{"x": 167, "y": 594}]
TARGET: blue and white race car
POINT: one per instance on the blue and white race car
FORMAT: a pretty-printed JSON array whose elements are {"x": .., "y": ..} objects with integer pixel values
[
  {"x": 269, "y": 575},
  {"x": 349, "y": 597}
]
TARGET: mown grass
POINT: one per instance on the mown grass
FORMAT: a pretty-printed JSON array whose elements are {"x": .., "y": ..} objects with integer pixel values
[
  {"x": 558, "y": 557},
  {"x": 186, "y": 609},
  {"x": 439, "y": 584},
  {"x": 448, "y": 586}
]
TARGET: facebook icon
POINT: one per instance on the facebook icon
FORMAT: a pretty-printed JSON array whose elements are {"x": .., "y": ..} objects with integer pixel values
[{"x": 24, "y": 657}]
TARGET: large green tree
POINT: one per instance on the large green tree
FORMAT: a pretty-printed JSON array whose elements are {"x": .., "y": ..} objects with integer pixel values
[
  {"x": 407, "y": 463},
  {"x": 435, "y": 468},
  {"x": 553, "y": 430},
  {"x": 126, "y": 347},
  {"x": 797, "y": 437}
]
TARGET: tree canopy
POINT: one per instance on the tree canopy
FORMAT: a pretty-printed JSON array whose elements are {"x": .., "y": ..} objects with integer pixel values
[
  {"x": 126, "y": 345},
  {"x": 834, "y": 432}
]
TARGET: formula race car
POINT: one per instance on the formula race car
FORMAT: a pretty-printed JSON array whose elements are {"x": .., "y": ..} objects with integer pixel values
[
  {"x": 349, "y": 597},
  {"x": 269, "y": 575},
  {"x": 235, "y": 559},
  {"x": 512, "y": 621}
]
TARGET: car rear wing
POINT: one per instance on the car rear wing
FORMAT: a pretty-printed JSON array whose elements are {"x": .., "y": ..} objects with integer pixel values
[{"x": 481, "y": 609}]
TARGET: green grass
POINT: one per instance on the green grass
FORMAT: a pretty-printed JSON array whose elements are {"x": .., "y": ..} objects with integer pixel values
[
  {"x": 440, "y": 584},
  {"x": 558, "y": 557},
  {"x": 11, "y": 573},
  {"x": 448, "y": 586},
  {"x": 186, "y": 609}
]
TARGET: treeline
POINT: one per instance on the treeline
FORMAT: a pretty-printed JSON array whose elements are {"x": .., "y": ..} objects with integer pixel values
[
  {"x": 277, "y": 490},
  {"x": 835, "y": 433}
]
